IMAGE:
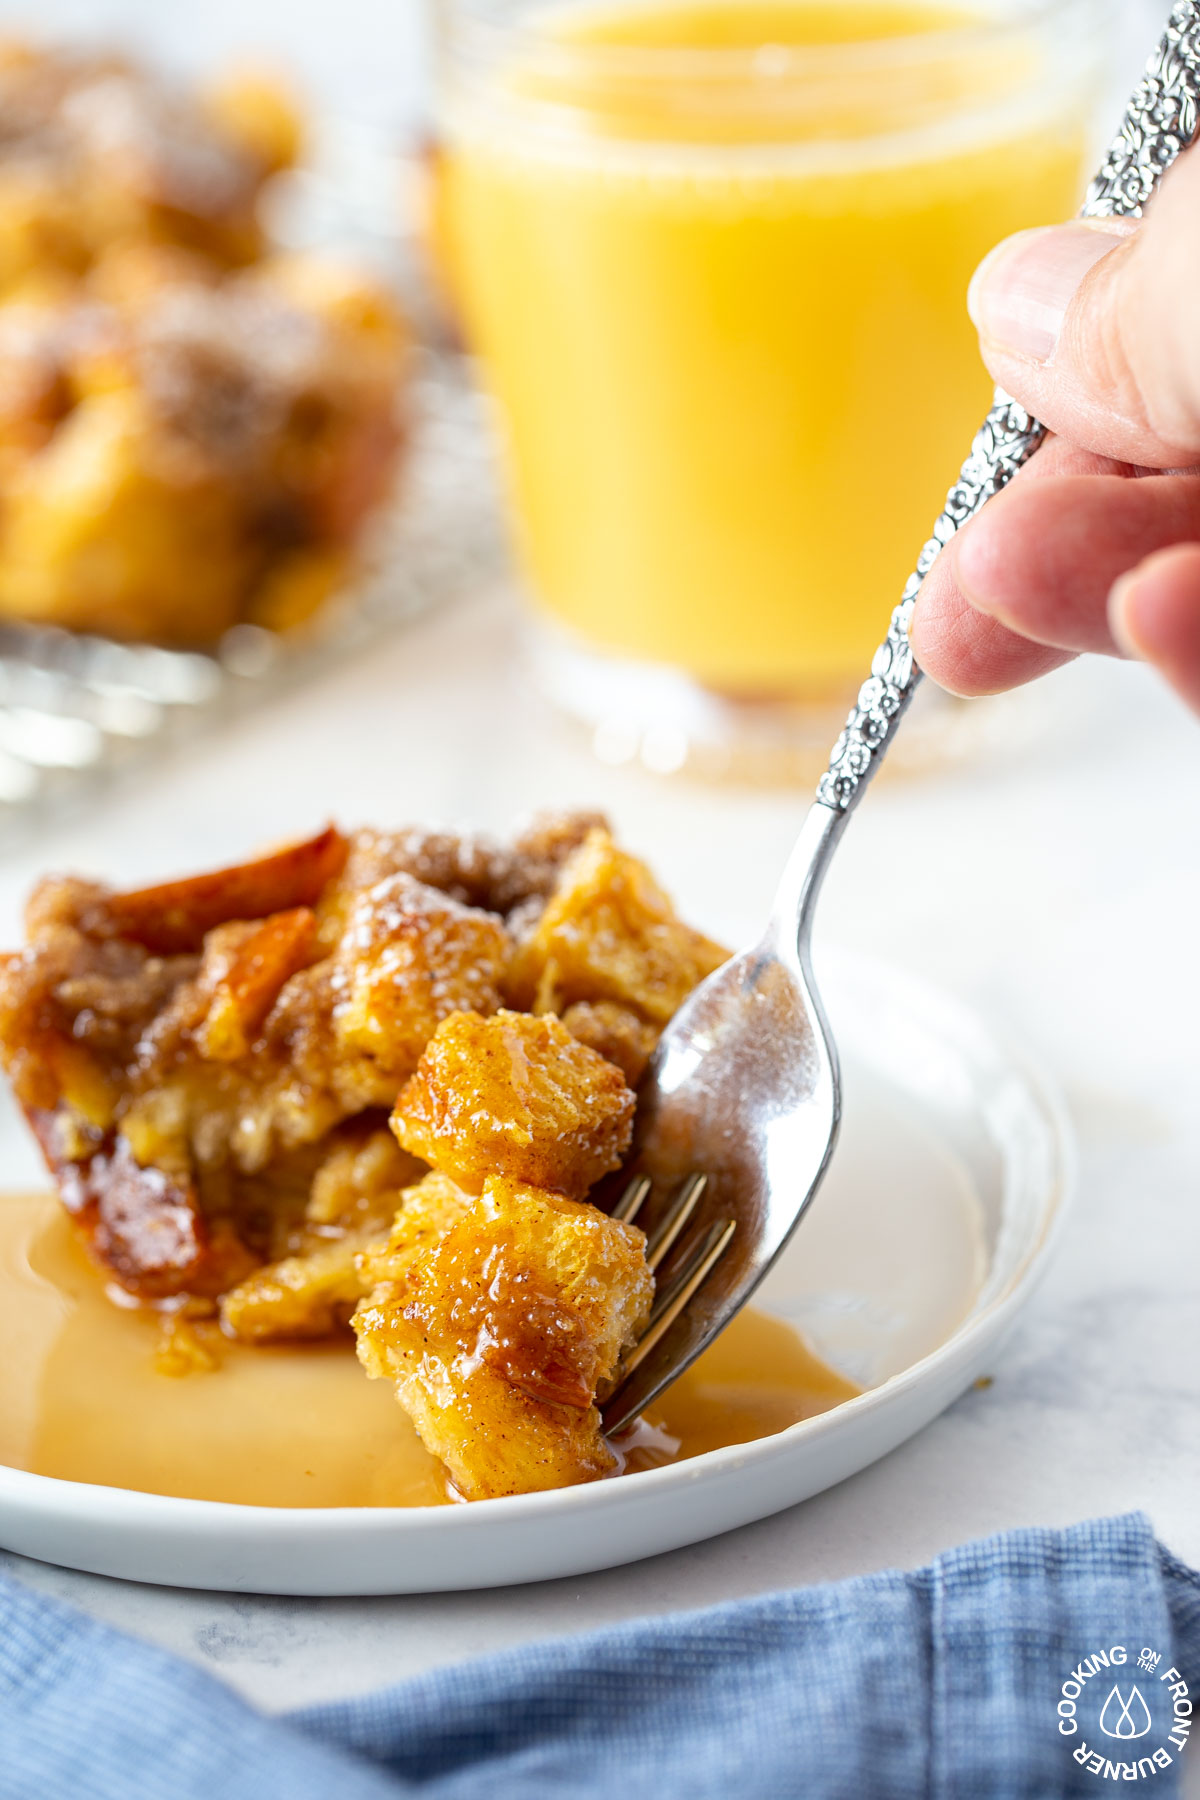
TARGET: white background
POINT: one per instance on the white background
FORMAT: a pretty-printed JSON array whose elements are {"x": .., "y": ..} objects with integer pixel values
[{"x": 362, "y": 57}]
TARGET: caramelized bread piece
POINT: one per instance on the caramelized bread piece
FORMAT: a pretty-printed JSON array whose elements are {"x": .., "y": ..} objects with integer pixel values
[
  {"x": 530, "y": 870},
  {"x": 306, "y": 1296},
  {"x": 609, "y": 932},
  {"x": 252, "y": 963},
  {"x": 142, "y": 1224},
  {"x": 614, "y": 1032},
  {"x": 314, "y": 1293},
  {"x": 360, "y": 1179},
  {"x": 176, "y": 916},
  {"x": 409, "y": 955},
  {"x": 427, "y": 1211},
  {"x": 499, "y": 1337},
  {"x": 471, "y": 867},
  {"x": 518, "y": 1096},
  {"x": 458, "y": 864}
]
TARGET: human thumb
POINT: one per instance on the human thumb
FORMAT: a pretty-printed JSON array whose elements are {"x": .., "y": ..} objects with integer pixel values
[{"x": 1095, "y": 326}]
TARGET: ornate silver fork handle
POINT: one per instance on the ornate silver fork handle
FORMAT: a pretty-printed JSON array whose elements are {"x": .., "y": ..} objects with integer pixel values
[{"x": 1160, "y": 121}]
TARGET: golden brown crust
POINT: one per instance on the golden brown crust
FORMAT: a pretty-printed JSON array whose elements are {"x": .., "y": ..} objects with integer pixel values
[
  {"x": 409, "y": 956},
  {"x": 531, "y": 869},
  {"x": 614, "y": 1032},
  {"x": 517, "y": 1096},
  {"x": 258, "y": 959},
  {"x": 471, "y": 867},
  {"x": 306, "y": 1296},
  {"x": 176, "y": 916},
  {"x": 498, "y": 1337},
  {"x": 609, "y": 932}
]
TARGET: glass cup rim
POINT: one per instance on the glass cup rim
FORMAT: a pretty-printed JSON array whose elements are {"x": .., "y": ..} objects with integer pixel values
[{"x": 471, "y": 28}]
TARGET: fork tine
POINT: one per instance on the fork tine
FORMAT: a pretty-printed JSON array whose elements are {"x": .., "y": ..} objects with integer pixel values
[
  {"x": 630, "y": 1204},
  {"x": 672, "y": 1303},
  {"x": 675, "y": 1220},
  {"x": 668, "y": 1294}
]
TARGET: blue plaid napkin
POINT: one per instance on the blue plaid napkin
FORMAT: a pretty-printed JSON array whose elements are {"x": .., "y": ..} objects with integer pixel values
[{"x": 1037, "y": 1663}]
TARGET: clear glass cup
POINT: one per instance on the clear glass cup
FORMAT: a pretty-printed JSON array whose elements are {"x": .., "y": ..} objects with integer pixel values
[{"x": 713, "y": 256}]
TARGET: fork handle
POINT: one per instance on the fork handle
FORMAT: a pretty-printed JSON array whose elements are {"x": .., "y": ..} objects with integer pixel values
[{"x": 1159, "y": 122}]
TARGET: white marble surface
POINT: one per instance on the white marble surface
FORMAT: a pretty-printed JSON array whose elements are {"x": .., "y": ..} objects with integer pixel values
[{"x": 1058, "y": 887}]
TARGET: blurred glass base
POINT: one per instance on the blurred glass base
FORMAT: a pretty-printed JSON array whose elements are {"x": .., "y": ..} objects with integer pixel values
[{"x": 655, "y": 716}]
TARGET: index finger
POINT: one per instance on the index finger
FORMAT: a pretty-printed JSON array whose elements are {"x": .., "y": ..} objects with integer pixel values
[{"x": 966, "y": 651}]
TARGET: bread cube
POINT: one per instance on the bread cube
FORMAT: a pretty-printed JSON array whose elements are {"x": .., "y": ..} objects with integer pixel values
[
  {"x": 476, "y": 869},
  {"x": 428, "y": 1209},
  {"x": 247, "y": 966},
  {"x": 499, "y": 1337},
  {"x": 529, "y": 869},
  {"x": 518, "y": 1096},
  {"x": 361, "y": 1181},
  {"x": 312, "y": 1294},
  {"x": 610, "y": 933},
  {"x": 614, "y": 1032},
  {"x": 410, "y": 956},
  {"x": 306, "y": 1296},
  {"x": 176, "y": 916}
]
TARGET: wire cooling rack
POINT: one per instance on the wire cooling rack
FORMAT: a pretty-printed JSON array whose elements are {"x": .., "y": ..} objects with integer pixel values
[{"x": 75, "y": 710}]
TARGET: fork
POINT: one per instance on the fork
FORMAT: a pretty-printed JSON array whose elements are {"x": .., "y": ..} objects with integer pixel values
[{"x": 739, "y": 1110}]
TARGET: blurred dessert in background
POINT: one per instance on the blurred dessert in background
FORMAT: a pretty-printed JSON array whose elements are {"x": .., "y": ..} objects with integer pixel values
[
  {"x": 189, "y": 451},
  {"x": 95, "y": 150},
  {"x": 193, "y": 430}
]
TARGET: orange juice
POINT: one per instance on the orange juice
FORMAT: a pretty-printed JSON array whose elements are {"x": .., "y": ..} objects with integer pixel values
[{"x": 714, "y": 257}]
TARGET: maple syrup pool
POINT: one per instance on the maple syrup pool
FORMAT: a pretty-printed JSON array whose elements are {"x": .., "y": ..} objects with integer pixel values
[{"x": 87, "y": 1396}]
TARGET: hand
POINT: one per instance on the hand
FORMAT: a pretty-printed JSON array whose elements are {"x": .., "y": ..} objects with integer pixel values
[{"x": 1095, "y": 545}]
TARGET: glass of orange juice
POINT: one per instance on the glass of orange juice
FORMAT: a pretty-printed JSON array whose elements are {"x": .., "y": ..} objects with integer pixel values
[{"x": 713, "y": 256}]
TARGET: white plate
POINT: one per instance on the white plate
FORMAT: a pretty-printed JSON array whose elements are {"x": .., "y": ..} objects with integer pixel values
[{"x": 940, "y": 1208}]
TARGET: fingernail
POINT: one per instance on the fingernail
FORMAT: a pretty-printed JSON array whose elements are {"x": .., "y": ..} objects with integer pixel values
[
  {"x": 1122, "y": 607},
  {"x": 1020, "y": 292}
]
